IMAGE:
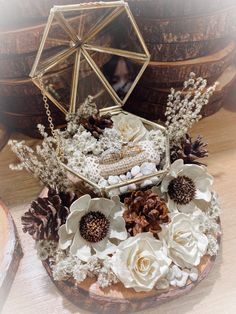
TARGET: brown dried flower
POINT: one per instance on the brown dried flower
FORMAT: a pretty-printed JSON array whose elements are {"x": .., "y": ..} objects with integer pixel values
[
  {"x": 182, "y": 190},
  {"x": 47, "y": 214},
  {"x": 145, "y": 211},
  {"x": 96, "y": 124},
  {"x": 189, "y": 150}
]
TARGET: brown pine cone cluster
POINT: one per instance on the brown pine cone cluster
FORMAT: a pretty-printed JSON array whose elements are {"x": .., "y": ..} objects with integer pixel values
[
  {"x": 145, "y": 211},
  {"x": 189, "y": 150},
  {"x": 47, "y": 214},
  {"x": 96, "y": 124}
]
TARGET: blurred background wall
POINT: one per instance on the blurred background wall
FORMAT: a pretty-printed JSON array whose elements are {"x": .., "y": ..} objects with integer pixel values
[{"x": 183, "y": 36}]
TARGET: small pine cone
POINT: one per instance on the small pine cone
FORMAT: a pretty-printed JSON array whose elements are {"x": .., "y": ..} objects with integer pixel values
[
  {"x": 47, "y": 214},
  {"x": 189, "y": 150},
  {"x": 145, "y": 211},
  {"x": 96, "y": 124}
]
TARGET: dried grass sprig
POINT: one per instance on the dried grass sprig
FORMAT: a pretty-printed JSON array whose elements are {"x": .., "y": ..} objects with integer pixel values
[
  {"x": 43, "y": 162},
  {"x": 184, "y": 107}
]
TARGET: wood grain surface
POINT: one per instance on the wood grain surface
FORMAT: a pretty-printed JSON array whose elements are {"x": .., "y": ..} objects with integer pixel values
[
  {"x": 184, "y": 29},
  {"x": 10, "y": 252},
  {"x": 210, "y": 67},
  {"x": 4, "y": 136},
  {"x": 32, "y": 291},
  {"x": 150, "y": 102}
]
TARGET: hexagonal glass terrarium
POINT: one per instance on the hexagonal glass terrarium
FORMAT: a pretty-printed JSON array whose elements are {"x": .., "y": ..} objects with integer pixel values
[{"x": 97, "y": 50}]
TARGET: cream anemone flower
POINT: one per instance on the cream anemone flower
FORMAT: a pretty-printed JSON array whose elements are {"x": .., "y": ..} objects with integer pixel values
[
  {"x": 130, "y": 127},
  {"x": 188, "y": 187},
  {"x": 90, "y": 226}
]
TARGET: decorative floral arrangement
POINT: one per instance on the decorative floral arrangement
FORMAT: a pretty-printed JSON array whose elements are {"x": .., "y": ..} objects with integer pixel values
[
  {"x": 157, "y": 234},
  {"x": 105, "y": 149}
]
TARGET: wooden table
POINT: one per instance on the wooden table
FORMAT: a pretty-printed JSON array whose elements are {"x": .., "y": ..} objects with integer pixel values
[{"x": 32, "y": 291}]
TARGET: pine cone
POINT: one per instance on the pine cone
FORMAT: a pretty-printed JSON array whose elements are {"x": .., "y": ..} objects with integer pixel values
[
  {"x": 189, "y": 150},
  {"x": 96, "y": 124},
  {"x": 145, "y": 211},
  {"x": 47, "y": 214}
]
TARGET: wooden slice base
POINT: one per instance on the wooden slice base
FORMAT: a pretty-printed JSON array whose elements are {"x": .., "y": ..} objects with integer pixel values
[
  {"x": 10, "y": 252},
  {"x": 118, "y": 299}
]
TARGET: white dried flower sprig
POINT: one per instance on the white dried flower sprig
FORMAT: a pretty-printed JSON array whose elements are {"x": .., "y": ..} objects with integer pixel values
[
  {"x": 213, "y": 246},
  {"x": 43, "y": 162},
  {"x": 183, "y": 107},
  {"x": 45, "y": 249},
  {"x": 72, "y": 267}
]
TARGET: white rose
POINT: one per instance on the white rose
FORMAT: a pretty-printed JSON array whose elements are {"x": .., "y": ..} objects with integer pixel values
[
  {"x": 140, "y": 261},
  {"x": 130, "y": 127},
  {"x": 186, "y": 244}
]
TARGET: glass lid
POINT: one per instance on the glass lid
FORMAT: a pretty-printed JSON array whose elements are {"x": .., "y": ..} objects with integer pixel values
[{"x": 90, "y": 49}]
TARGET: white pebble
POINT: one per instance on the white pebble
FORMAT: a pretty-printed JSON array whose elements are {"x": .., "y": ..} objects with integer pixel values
[
  {"x": 148, "y": 168},
  {"x": 155, "y": 180},
  {"x": 177, "y": 271},
  {"x": 123, "y": 189},
  {"x": 132, "y": 187},
  {"x": 146, "y": 183},
  {"x": 123, "y": 177},
  {"x": 193, "y": 274},
  {"x": 114, "y": 192},
  {"x": 182, "y": 282},
  {"x": 128, "y": 175},
  {"x": 135, "y": 170},
  {"x": 173, "y": 283},
  {"x": 113, "y": 180},
  {"x": 103, "y": 183}
]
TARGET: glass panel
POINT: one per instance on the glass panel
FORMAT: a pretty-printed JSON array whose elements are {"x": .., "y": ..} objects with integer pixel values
[
  {"x": 90, "y": 84},
  {"x": 57, "y": 42},
  {"x": 119, "y": 71},
  {"x": 84, "y": 21},
  {"x": 122, "y": 32},
  {"x": 58, "y": 81},
  {"x": 112, "y": 55}
]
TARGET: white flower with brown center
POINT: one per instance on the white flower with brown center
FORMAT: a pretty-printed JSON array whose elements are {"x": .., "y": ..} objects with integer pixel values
[
  {"x": 90, "y": 226},
  {"x": 140, "y": 262},
  {"x": 188, "y": 187},
  {"x": 185, "y": 242},
  {"x": 130, "y": 127}
]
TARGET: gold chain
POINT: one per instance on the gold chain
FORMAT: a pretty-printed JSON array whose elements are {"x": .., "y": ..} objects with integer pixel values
[
  {"x": 46, "y": 106},
  {"x": 48, "y": 113}
]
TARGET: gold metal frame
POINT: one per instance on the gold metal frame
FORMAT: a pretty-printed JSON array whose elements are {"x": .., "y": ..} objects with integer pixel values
[{"x": 81, "y": 48}]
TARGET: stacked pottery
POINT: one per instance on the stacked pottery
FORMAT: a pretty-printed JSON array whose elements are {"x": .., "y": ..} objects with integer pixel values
[{"x": 184, "y": 36}]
